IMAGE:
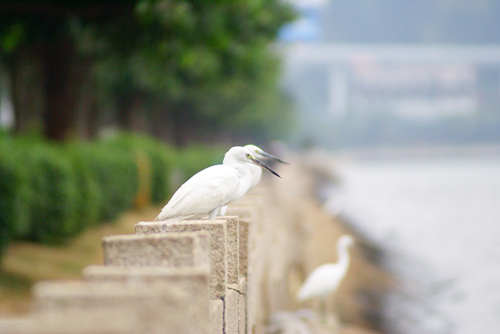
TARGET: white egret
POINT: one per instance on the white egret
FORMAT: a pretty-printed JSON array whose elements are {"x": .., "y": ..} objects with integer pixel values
[
  {"x": 213, "y": 187},
  {"x": 326, "y": 278},
  {"x": 254, "y": 170}
]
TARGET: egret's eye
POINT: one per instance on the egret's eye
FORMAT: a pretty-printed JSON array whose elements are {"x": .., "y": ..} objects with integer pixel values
[{"x": 248, "y": 156}]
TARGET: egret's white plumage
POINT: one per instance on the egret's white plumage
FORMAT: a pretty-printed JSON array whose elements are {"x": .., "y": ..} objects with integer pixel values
[
  {"x": 213, "y": 187},
  {"x": 326, "y": 278}
]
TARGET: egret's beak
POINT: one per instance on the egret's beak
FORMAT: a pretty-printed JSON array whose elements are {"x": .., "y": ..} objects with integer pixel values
[
  {"x": 263, "y": 164},
  {"x": 270, "y": 156}
]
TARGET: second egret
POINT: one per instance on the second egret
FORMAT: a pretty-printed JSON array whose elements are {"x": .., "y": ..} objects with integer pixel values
[{"x": 326, "y": 278}]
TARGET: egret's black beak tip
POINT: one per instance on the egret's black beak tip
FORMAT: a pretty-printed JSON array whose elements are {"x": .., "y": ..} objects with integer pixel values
[{"x": 263, "y": 164}]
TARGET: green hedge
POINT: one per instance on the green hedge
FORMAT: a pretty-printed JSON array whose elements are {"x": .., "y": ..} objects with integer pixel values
[
  {"x": 161, "y": 159},
  {"x": 53, "y": 200},
  {"x": 50, "y": 192},
  {"x": 14, "y": 195},
  {"x": 194, "y": 158},
  {"x": 88, "y": 195}
]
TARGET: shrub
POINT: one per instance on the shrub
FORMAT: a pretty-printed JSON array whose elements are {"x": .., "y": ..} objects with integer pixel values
[
  {"x": 51, "y": 192},
  {"x": 14, "y": 195},
  {"x": 195, "y": 158},
  {"x": 53, "y": 197},
  {"x": 158, "y": 166},
  {"x": 115, "y": 173},
  {"x": 88, "y": 196}
]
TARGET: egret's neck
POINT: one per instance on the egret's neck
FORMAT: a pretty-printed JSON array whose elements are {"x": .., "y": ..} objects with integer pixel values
[
  {"x": 243, "y": 168},
  {"x": 343, "y": 256},
  {"x": 256, "y": 174}
]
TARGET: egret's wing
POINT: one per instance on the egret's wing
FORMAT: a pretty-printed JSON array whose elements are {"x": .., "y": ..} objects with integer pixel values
[
  {"x": 208, "y": 189},
  {"x": 321, "y": 281}
]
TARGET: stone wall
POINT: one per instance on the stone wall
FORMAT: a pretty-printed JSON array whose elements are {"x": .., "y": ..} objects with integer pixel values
[
  {"x": 188, "y": 277},
  {"x": 222, "y": 276}
]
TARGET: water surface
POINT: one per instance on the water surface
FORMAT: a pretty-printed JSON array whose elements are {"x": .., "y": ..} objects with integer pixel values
[{"x": 438, "y": 222}]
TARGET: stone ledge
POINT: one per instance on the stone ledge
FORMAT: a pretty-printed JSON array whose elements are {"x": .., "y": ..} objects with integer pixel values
[
  {"x": 193, "y": 279},
  {"x": 152, "y": 306},
  {"x": 168, "y": 250},
  {"x": 218, "y": 244}
]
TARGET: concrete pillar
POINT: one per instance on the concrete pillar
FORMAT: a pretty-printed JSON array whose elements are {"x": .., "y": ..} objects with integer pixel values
[
  {"x": 216, "y": 316},
  {"x": 152, "y": 307},
  {"x": 243, "y": 244},
  {"x": 166, "y": 250},
  {"x": 231, "y": 308},
  {"x": 218, "y": 253},
  {"x": 232, "y": 248},
  {"x": 242, "y": 306}
]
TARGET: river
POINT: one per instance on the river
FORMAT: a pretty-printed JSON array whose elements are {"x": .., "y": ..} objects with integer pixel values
[{"x": 437, "y": 221}]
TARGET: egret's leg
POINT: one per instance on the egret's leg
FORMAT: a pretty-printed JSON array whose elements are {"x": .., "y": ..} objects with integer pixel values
[
  {"x": 213, "y": 213},
  {"x": 322, "y": 309},
  {"x": 334, "y": 319}
]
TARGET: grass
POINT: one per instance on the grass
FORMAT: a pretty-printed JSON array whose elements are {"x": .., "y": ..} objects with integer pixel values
[{"x": 26, "y": 263}]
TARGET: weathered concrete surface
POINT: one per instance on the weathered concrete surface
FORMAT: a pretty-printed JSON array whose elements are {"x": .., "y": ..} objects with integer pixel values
[
  {"x": 243, "y": 247},
  {"x": 152, "y": 307},
  {"x": 216, "y": 316},
  {"x": 168, "y": 250},
  {"x": 232, "y": 248},
  {"x": 242, "y": 306},
  {"x": 231, "y": 310},
  {"x": 218, "y": 242},
  {"x": 194, "y": 280}
]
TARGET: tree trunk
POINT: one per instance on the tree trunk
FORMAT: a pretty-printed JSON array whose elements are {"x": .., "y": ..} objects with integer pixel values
[
  {"x": 63, "y": 80},
  {"x": 88, "y": 112},
  {"x": 93, "y": 120},
  {"x": 15, "y": 97},
  {"x": 131, "y": 113},
  {"x": 124, "y": 112},
  {"x": 161, "y": 123},
  {"x": 178, "y": 128},
  {"x": 25, "y": 90},
  {"x": 184, "y": 124}
]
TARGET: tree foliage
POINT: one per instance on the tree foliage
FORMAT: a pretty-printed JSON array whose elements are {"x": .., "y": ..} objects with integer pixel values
[{"x": 193, "y": 66}]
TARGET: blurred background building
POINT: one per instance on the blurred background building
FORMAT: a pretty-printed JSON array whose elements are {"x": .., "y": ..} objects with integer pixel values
[{"x": 429, "y": 73}]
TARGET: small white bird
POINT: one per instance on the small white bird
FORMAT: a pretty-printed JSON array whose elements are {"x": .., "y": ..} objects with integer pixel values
[
  {"x": 213, "y": 187},
  {"x": 254, "y": 170},
  {"x": 326, "y": 278}
]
